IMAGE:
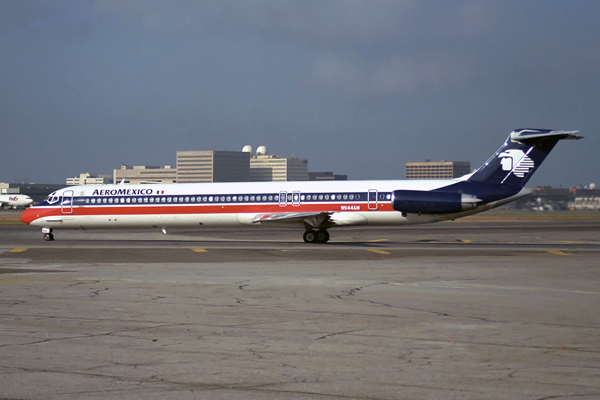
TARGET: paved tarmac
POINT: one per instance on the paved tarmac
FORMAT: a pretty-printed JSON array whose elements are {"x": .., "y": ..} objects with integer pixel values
[{"x": 460, "y": 310}]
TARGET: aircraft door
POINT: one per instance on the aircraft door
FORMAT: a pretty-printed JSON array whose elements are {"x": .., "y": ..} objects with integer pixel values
[
  {"x": 372, "y": 199},
  {"x": 66, "y": 204},
  {"x": 282, "y": 199},
  {"x": 295, "y": 198}
]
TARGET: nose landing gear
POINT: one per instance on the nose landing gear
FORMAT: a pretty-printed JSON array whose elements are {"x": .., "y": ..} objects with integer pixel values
[
  {"x": 320, "y": 236},
  {"x": 48, "y": 236}
]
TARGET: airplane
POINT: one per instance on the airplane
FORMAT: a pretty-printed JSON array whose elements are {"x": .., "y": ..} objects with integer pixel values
[
  {"x": 314, "y": 206},
  {"x": 15, "y": 200}
]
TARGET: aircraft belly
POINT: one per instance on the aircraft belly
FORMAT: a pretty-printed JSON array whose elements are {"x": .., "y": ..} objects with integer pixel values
[
  {"x": 396, "y": 218},
  {"x": 136, "y": 221}
]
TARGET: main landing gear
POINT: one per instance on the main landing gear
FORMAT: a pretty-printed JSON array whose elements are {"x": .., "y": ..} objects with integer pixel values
[
  {"x": 48, "y": 236},
  {"x": 320, "y": 236}
]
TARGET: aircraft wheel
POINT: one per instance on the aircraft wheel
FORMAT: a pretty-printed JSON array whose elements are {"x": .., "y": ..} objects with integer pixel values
[
  {"x": 322, "y": 236},
  {"x": 48, "y": 237},
  {"x": 310, "y": 236}
]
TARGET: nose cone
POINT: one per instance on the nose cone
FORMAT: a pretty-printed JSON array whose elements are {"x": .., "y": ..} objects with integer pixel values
[
  {"x": 28, "y": 200},
  {"x": 29, "y": 215}
]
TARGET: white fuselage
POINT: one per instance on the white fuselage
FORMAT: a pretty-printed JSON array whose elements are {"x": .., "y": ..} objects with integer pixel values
[
  {"x": 230, "y": 204},
  {"x": 15, "y": 200}
]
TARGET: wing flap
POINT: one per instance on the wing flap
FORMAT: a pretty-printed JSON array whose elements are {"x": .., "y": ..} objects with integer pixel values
[{"x": 314, "y": 219}]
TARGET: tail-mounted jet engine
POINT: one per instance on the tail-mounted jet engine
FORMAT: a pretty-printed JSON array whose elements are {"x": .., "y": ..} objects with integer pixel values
[{"x": 421, "y": 202}]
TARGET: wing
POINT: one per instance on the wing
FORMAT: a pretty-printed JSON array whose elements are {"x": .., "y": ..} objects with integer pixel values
[{"x": 313, "y": 219}]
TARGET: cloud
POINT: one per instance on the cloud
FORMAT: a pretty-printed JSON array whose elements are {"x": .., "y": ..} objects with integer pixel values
[
  {"x": 322, "y": 21},
  {"x": 396, "y": 75},
  {"x": 476, "y": 17}
]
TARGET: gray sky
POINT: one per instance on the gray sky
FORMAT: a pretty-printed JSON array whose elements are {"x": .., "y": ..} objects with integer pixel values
[{"x": 356, "y": 87}]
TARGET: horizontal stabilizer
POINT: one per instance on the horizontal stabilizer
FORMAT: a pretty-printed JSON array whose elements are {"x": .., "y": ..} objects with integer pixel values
[{"x": 534, "y": 135}]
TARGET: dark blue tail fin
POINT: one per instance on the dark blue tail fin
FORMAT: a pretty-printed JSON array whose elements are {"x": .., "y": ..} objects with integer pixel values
[{"x": 520, "y": 156}]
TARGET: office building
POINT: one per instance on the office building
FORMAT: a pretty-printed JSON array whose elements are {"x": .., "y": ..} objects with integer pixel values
[
  {"x": 437, "y": 169},
  {"x": 326, "y": 176},
  {"x": 213, "y": 166},
  {"x": 144, "y": 174},
  {"x": 265, "y": 167},
  {"x": 89, "y": 179}
]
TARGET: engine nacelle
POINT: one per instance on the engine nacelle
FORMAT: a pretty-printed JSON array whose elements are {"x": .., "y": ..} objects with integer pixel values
[{"x": 421, "y": 202}]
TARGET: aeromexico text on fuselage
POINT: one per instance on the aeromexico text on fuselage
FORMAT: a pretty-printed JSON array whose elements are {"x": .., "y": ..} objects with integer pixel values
[{"x": 123, "y": 192}]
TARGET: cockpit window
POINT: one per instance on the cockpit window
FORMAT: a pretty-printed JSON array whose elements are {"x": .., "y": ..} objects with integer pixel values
[{"x": 52, "y": 198}]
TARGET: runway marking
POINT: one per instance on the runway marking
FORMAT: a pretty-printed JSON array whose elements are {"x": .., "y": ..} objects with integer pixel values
[
  {"x": 18, "y": 250},
  {"x": 378, "y": 251},
  {"x": 464, "y": 240},
  {"x": 198, "y": 250},
  {"x": 572, "y": 242},
  {"x": 558, "y": 253},
  {"x": 377, "y": 240}
]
